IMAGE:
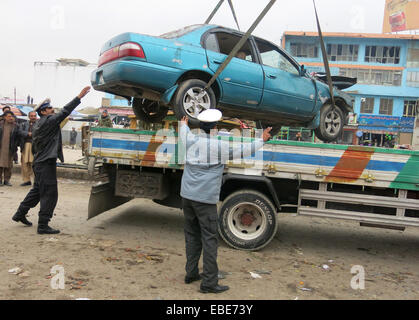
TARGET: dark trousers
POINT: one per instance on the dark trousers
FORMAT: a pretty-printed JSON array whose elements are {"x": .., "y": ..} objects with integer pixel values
[
  {"x": 44, "y": 190},
  {"x": 201, "y": 235}
]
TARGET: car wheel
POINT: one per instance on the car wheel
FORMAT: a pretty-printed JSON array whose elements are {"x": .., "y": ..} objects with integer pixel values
[
  {"x": 331, "y": 123},
  {"x": 149, "y": 111},
  {"x": 190, "y": 100},
  {"x": 247, "y": 220}
]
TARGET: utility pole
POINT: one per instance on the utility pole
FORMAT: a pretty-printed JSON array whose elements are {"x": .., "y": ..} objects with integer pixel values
[{"x": 15, "y": 95}]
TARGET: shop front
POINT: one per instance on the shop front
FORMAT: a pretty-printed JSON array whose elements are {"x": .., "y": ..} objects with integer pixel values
[{"x": 385, "y": 131}]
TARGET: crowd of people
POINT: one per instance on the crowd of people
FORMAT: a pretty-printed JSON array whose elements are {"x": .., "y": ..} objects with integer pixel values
[{"x": 16, "y": 138}]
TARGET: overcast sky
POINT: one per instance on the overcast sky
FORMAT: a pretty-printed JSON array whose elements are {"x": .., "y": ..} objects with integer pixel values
[{"x": 46, "y": 30}]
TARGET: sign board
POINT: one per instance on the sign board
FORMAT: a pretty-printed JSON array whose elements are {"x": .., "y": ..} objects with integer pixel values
[
  {"x": 401, "y": 15},
  {"x": 386, "y": 123}
]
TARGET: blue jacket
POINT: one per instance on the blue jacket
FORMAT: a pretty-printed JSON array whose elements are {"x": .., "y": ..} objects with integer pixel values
[{"x": 205, "y": 159}]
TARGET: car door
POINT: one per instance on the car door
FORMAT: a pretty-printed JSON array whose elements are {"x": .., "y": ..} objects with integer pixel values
[
  {"x": 285, "y": 90},
  {"x": 242, "y": 79}
]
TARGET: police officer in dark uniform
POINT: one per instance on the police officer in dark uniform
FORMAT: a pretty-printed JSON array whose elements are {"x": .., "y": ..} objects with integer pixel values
[{"x": 46, "y": 147}]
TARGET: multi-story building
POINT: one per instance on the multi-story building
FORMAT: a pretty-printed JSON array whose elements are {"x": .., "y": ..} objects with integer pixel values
[{"x": 387, "y": 70}]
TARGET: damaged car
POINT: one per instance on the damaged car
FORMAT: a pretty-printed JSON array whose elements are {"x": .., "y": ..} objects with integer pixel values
[{"x": 262, "y": 82}]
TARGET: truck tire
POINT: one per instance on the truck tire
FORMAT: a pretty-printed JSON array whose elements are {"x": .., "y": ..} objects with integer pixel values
[{"x": 247, "y": 220}]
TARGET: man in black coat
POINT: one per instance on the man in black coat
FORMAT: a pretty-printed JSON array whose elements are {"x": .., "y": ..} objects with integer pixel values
[
  {"x": 46, "y": 147},
  {"x": 9, "y": 140}
]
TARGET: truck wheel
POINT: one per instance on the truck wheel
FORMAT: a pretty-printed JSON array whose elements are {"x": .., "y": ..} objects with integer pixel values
[
  {"x": 149, "y": 111},
  {"x": 331, "y": 123},
  {"x": 247, "y": 220},
  {"x": 190, "y": 100}
]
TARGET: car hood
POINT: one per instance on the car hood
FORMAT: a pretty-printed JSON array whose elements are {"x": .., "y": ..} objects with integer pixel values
[
  {"x": 339, "y": 82},
  {"x": 324, "y": 93}
]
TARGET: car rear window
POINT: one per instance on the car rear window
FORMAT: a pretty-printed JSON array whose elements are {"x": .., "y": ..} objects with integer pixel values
[{"x": 180, "y": 32}]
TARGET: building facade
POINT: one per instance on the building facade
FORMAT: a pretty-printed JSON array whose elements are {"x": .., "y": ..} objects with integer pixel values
[{"x": 387, "y": 70}]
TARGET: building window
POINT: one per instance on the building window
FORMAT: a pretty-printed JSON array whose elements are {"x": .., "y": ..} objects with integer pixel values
[
  {"x": 413, "y": 58},
  {"x": 342, "y": 52},
  {"x": 410, "y": 108},
  {"x": 374, "y": 76},
  {"x": 386, "y": 106},
  {"x": 380, "y": 54},
  {"x": 304, "y": 50},
  {"x": 412, "y": 79},
  {"x": 367, "y": 105}
]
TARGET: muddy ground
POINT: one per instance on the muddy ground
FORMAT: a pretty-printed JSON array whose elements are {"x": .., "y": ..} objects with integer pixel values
[{"x": 136, "y": 251}]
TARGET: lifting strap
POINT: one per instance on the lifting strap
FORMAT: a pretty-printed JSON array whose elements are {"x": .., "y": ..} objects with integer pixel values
[
  {"x": 325, "y": 60},
  {"x": 238, "y": 46},
  {"x": 214, "y": 11},
  {"x": 230, "y": 2}
]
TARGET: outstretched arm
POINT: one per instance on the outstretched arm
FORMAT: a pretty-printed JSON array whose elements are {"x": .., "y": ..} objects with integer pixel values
[
  {"x": 247, "y": 149},
  {"x": 68, "y": 108}
]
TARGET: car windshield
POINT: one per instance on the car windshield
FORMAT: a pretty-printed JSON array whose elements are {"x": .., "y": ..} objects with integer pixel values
[{"x": 180, "y": 32}]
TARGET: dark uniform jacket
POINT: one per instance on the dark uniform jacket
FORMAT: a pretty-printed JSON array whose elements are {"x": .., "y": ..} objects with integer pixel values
[
  {"x": 46, "y": 134},
  {"x": 15, "y": 136}
]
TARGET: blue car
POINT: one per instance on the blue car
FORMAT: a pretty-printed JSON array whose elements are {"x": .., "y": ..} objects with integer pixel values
[{"x": 262, "y": 83}]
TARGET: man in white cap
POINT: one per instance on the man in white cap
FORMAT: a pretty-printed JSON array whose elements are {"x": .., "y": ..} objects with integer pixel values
[
  {"x": 46, "y": 147},
  {"x": 200, "y": 190}
]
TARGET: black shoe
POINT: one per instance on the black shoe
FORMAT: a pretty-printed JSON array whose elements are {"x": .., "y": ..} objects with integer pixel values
[
  {"x": 45, "y": 229},
  {"x": 26, "y": 184},
  {"x": 216, "y": 289},
  {"x": 189, "y": 280},
  {"x": 21, "y": 219},
  {"x": 7, "y": 183}
]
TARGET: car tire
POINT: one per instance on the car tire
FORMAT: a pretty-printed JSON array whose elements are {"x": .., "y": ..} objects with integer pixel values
[
  {"x": 331, "y": 125},
  {"x": 187, "y": 103},
  {"x": 247, "y": 220},
  {"x": 149, "y": 111}
]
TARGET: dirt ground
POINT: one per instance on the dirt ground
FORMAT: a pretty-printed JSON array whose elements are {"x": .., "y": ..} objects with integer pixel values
[{"x": 136, "y": 251}]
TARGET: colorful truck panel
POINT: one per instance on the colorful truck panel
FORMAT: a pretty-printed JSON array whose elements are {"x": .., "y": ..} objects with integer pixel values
[{"x": 358, "y": 165}]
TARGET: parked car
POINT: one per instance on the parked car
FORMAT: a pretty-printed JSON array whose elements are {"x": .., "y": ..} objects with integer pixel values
[{"x": 262, "y": 83}]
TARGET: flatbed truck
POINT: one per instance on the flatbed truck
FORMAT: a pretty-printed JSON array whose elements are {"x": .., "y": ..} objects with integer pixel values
[{"x": 372, "y": 186}]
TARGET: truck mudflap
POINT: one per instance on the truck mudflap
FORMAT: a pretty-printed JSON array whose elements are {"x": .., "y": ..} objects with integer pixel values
[{"x": 102, "y": 199}]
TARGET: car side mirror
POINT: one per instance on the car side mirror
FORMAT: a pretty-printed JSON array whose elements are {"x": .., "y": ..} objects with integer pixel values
[{"x": 303, "y": 71}]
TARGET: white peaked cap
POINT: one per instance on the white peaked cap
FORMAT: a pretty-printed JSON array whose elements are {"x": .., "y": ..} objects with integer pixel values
[
  {"x": 210, "y": 115},
  {"x": 43, "y": 104}
]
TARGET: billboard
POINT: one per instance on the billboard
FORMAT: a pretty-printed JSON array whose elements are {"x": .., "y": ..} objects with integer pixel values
[{"x": 401, "y": 15}]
